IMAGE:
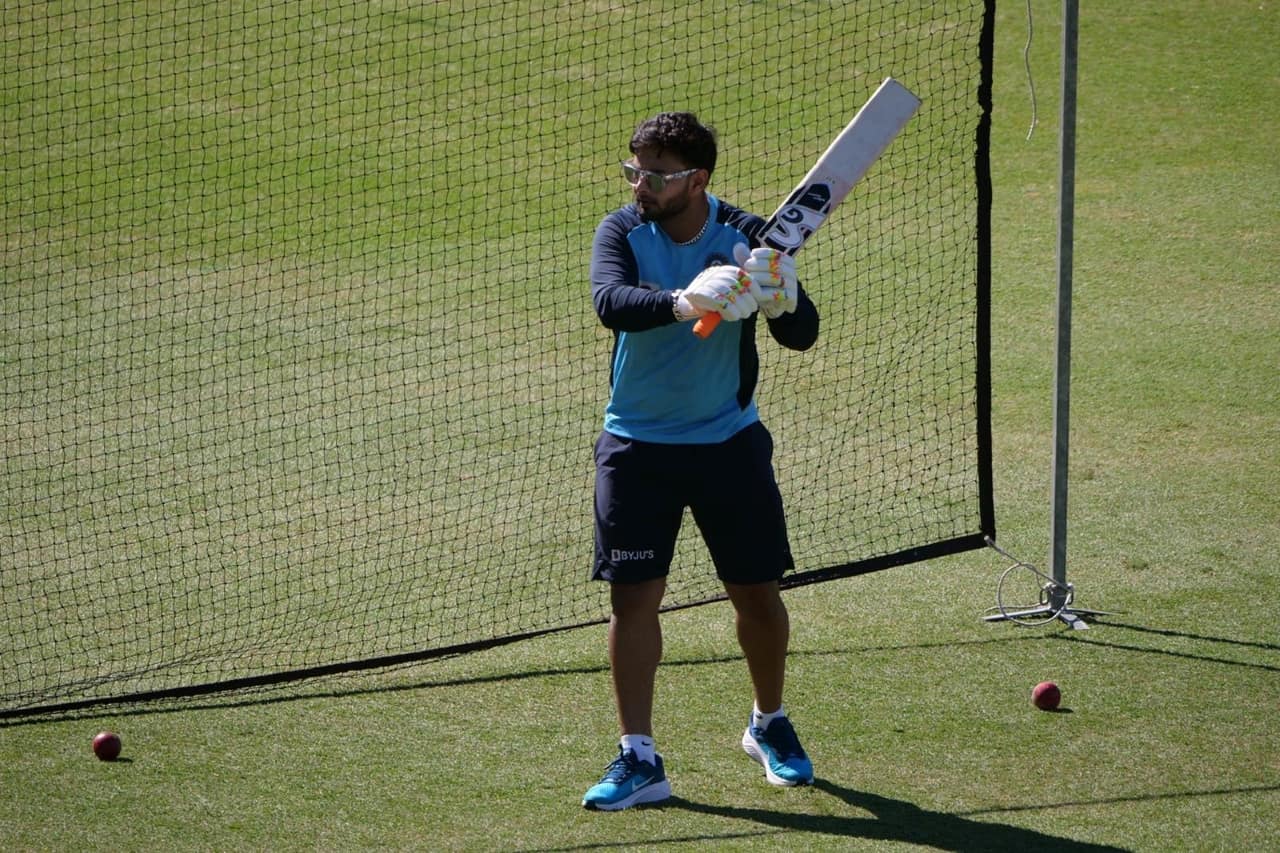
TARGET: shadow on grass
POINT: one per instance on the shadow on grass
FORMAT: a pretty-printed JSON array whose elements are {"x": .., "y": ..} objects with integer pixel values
[
  {"x": 902, "y": 821},
  {"x": 1167, "y": 632},
  {"x": 888, "y": 820},
  {"x": 330, "y": 686},
  {"x": 1135, "y": 798},
  {"x": 1097, "y": 640}
]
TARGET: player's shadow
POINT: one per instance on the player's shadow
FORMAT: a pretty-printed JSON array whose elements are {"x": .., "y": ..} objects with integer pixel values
[{"x": 899, "y": 821}]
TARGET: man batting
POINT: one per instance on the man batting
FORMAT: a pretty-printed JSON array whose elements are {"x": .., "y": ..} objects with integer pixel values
[{"x": 681, "y": 429}]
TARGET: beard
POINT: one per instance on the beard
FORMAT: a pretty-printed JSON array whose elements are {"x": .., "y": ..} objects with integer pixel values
[{"x": 656, "y": 212}]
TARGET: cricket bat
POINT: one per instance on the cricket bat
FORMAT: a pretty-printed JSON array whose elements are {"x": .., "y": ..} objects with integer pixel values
[{"x": 849, "y": 156}]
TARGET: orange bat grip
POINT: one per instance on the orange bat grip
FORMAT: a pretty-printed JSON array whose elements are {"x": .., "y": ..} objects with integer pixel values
[{"x": 707, "y": 324}]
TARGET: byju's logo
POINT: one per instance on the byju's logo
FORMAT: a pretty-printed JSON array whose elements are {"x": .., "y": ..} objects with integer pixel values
[{"x": 618, "y": 555}]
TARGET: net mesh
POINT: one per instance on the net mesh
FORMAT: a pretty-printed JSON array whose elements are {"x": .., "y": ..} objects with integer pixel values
[{"x": 298, "y": 365}]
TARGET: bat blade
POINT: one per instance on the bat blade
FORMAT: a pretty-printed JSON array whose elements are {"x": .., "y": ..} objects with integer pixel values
[{"x": 847, "y": 159}]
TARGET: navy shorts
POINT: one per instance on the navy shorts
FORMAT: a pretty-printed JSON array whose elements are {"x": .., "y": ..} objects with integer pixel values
[{"x": 642, "y": 490}]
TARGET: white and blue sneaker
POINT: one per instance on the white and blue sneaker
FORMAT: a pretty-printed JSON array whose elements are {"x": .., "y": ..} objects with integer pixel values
[
  {"x": 779, "y": 751},
  {"x": 628, "y": 782}
]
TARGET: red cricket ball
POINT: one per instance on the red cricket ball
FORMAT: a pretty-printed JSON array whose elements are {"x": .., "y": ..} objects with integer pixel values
[
  {"x": 1046, "y": 696},
  {"x": 106, "y": 745}
]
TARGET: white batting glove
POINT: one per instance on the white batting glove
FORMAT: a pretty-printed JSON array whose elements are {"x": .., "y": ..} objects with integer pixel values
[
  {"x": 773, "y": 278},
  {"x": 723, "y": 289}
]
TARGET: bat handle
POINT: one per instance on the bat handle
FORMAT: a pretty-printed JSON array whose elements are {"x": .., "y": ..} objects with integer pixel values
[{"x": 707, "y": 324}]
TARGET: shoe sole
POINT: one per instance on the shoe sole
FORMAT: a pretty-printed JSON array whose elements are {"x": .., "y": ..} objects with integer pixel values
[
  {"x": 752, "y": 747},
  {"x": 654, "y": 793}
]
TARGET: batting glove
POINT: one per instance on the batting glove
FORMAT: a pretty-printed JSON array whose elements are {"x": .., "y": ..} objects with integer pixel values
[
  {"x": 773, "y": 278},
  {"x": 723, "y": 289}
]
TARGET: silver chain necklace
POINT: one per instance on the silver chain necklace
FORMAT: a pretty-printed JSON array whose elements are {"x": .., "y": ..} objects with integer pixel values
[{"x": 696, "y": 237}]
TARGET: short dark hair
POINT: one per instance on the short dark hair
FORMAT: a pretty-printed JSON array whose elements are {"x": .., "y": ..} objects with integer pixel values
[{"x": 681, "y": 134}]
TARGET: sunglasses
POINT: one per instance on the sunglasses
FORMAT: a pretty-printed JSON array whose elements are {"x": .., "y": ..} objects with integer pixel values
[{"x": 655, "y": 181}]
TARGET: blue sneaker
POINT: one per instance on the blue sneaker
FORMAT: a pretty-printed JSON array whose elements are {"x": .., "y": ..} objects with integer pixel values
[
  {"x": 627, "y": 782},
  {"x": 778, "y": 749}
]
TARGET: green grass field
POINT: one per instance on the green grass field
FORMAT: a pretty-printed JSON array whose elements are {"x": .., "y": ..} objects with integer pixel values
[{"x": 915, "y": 710}]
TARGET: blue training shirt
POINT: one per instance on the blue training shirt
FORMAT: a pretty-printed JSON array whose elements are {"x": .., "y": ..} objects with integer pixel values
[{"x": 667, "y": 385}]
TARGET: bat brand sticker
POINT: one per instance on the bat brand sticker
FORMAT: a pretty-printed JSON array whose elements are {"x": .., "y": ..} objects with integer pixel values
[{"x": 798, "y": 218}]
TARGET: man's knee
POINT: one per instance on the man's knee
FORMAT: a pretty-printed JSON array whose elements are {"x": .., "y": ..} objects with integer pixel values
[
  {"x": 631, "y": 600},
  {"x": 757, "y": 601}
]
